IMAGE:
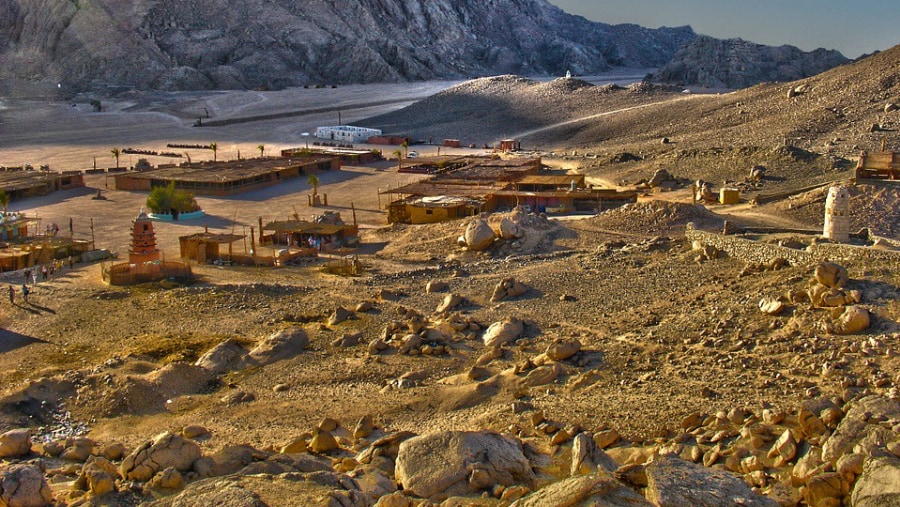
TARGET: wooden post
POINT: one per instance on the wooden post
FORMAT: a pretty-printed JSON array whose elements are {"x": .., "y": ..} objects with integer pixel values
[
  {"x": 261, "y": 232},
  {"x": 353, "y": 209}
]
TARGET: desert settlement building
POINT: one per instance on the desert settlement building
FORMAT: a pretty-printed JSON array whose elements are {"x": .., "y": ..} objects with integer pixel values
[
  {"x": 467, "y": 186},
  {"x": 346, "y": 133},
  {"x": 225, "y": 178}
]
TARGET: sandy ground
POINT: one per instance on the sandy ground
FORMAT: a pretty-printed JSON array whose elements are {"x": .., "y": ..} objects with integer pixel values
[{"x": 70, "y": 136}]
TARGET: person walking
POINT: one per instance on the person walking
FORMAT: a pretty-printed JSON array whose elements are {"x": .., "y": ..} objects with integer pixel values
[
  {"x": 25, "y": 292},
  {"x": 12, "y": 295}
]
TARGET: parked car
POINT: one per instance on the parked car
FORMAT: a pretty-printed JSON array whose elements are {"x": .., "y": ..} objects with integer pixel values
[{"x": 412, "y": 154}]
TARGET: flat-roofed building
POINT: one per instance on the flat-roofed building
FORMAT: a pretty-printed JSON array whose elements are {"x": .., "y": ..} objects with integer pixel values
[
  {"x": 225, "y": 178},
  {"x": 346, "y": 133}
]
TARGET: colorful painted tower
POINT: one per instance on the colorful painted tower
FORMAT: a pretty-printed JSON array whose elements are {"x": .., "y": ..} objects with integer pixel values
[{"x": 143, "y": 241}]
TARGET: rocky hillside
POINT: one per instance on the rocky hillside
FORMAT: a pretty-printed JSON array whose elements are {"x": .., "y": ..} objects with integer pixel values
[
  {"x": 736, "y": 63},
  {"x": 242, "y": 44}
]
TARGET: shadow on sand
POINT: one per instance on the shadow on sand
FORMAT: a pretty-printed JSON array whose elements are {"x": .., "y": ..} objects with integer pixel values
[{"x": 10, "y": 341}]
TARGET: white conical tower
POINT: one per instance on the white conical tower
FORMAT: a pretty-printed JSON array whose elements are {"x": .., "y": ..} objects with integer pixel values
[{"x": 837, "y": 215}]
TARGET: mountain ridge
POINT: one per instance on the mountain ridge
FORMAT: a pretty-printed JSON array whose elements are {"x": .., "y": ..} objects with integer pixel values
[
  {"x": 60, "y": 48},
  {"x": 247, "y": 44}
]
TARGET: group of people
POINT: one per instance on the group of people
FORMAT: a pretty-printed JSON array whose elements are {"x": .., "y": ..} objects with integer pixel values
[{"x": 47, "y": 272}]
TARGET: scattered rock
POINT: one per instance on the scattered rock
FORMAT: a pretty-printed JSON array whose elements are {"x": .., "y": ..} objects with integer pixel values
[
  {"x": 24, "y": 486},
  {"x": 15, "y": 443},
  {"x": 449, "y": 302},
  {"x": 784, "y": 449},
  {"x": 98, "y": 476},
  {"x": 509, "y": 229},
  {"x": 436, "y": 286},
  {"x": 364, "y": 307},
  {"x": 771, "y": 306},
  {"x": 238, "y": 397},
  {"x": 561, "y": 350},
  {"x": 826, "y": 489},
  {"x": 169, "y": 480},
  {"x": 322, "y": 442},
  {"x": 339, "y": 315},
  {"x": 588, "y": 458},
  {"x": 503, "y": 332},
  {"x": 194, "y": 431},
  {"x": 508, "y": 288},
  {"x": 364, "y": 427},
  {"x": 348, "y": 340},
  {"x": 832, "y": 275}
]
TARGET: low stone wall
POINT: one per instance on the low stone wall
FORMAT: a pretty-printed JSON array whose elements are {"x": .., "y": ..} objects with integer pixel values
[{"x": 757, "y": 251}]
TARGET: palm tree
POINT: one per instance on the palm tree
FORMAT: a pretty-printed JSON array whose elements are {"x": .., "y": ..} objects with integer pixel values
[
  {"x": 4, "y": 200},
  {"x": 215, "y": 149},
  {"x": 314, "y": 181},
  {"x": 399, "y": 155},
  {"x": 405, "y": 146},
  {"x": 262, "y": 150},
  {"x": 116, "y": 153}
]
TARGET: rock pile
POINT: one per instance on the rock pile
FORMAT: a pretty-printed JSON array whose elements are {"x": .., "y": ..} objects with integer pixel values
[
  {"x": 824, "y": 453},
  {"x": 826, "y": 291}
]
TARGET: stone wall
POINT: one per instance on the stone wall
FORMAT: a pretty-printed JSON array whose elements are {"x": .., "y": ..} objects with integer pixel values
[{"x": 757, "y": 251}]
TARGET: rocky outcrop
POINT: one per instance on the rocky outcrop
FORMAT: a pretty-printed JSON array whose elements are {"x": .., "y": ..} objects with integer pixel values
[
  {"x": 236, "y": 44},
  {"x": 165, "y": 450},
  {"x": 736, "y": 63},
  {"x": 879, "y": 484},
  {"x": 673, "y": 482},
  {"x": 283, "y": 344},
  {"x": 460, "y": 463}
]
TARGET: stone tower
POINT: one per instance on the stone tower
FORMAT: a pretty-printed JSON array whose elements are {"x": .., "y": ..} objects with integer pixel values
[
  {"x": 837, "y": 215},
  {"x": 143, "y": 241}
]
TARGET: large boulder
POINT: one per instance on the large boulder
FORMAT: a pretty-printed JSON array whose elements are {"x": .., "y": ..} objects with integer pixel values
[
  {"x": 673, "y": 482},
  {"x": 24, "y": 486},
  {"x": 503, "y": 332},
  {"x": 453, "y": 463},
  {"x": 861, "y": 429},
  {"x": 478, "y": 235},
  {"x": 855, "y": 319},
  {"x": 165, "y": 450},
  {"x": 15, "y": 443},
  {"x": 596, "y": 489},
  {"x": 284, "y": 344},
  {"x": 879, "y": 484},
  {"x": 221, "y": 358}
]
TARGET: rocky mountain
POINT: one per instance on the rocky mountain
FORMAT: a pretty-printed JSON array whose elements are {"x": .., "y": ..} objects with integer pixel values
[
  {"x": 244, "y": 44},
  {"x": 736, "y": 63}
]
